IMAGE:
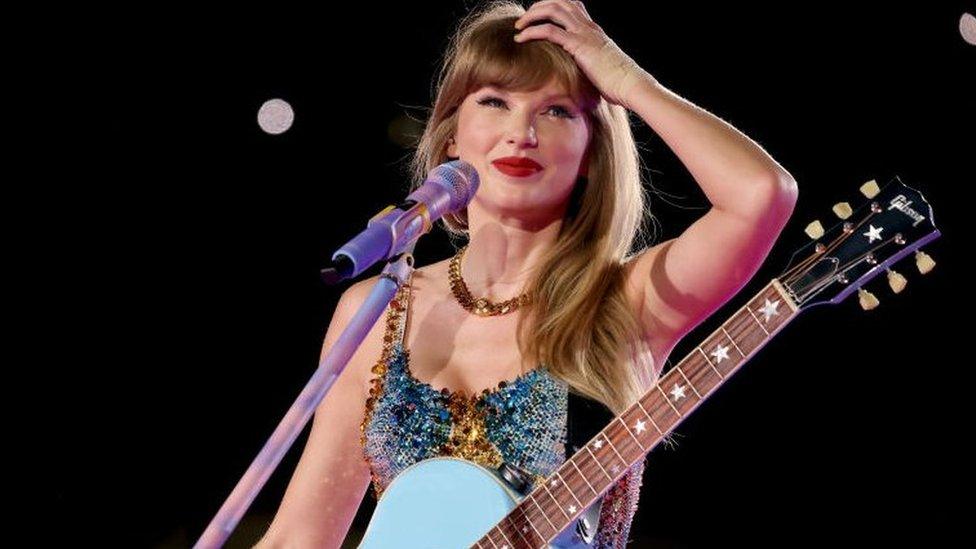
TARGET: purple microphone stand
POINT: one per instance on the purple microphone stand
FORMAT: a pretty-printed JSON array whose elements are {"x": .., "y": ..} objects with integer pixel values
[{"x": 397, "y": 270}]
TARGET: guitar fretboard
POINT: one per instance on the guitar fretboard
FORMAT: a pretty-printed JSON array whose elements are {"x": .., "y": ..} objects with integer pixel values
[{"x": 553, "y": 505}]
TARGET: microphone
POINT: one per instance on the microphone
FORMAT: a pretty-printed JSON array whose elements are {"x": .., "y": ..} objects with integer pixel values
[{"x": 448, "y": 188}]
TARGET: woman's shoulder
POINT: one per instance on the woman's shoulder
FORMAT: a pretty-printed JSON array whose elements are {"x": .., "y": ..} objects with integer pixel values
[
  {"x": 431, "y": 276},
  {"x": 427, "y": 277}
]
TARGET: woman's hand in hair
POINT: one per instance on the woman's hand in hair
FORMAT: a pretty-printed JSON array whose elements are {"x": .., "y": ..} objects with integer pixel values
[{"x": 566, "y": 23}]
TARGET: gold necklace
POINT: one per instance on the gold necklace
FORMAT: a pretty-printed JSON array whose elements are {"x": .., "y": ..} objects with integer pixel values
[{"x": 480, "y": 306}]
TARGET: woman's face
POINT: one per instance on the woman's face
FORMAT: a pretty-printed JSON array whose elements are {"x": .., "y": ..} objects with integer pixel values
[{"x": 545, "y": 126}]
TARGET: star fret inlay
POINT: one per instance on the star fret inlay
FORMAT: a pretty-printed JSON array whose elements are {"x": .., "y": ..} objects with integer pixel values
[
  {"x": 769, "y": 309},
  {"x": 720, "y": 353}
]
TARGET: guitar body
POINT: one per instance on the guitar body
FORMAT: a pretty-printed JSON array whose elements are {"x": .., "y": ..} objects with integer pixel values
[{"x": 450, "y": 503}]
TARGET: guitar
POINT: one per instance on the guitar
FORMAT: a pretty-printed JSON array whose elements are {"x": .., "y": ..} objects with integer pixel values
[{"x": 447, "y": 502}]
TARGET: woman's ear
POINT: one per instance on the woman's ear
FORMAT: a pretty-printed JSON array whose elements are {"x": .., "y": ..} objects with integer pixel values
[{"x": 452, "y": 149}]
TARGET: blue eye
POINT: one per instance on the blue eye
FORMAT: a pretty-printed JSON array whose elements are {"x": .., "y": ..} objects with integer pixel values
[
  {"x": 563, "y": 112},
  {"x": 490, "y": 100}
]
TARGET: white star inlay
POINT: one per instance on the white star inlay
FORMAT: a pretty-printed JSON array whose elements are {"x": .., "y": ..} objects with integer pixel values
[
  {"x": 769, "y": 309},
  {"x": 572, "y": 509},
  {"x": 598, "y": 444},
  {"x": 720, "y": 353},
  {"x": 615, "y": 468},
  {"x": 678, "y": 392},
  {"x": 525, "y": 529},
  {"x": 640, "y": 426},
  {"x": 874, "y": 233},
  {"x": 554, "y": 482}
]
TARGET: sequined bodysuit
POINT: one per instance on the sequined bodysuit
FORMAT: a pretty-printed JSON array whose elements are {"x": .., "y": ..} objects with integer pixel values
[{"x": 533, "y": 421}]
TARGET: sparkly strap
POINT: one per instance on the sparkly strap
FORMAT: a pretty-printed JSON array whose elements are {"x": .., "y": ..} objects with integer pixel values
[
  {"x": 620, "y": 504},
  {"x": 393, "y": 331},
  {"x": 396, "y": 320},
  {"x": 404, "y": 298}
]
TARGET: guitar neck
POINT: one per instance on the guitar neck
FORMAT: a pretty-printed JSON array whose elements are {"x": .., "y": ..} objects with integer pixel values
[{"x": 553, "y": 505}]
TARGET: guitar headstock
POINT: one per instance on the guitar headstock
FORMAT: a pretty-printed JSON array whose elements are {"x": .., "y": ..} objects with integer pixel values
[{"x": 893, "y": 222}]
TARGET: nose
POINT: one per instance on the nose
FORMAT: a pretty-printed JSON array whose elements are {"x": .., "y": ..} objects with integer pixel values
[{"x": 521, "y": 132}]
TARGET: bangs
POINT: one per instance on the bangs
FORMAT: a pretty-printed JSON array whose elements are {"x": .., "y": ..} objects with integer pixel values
[{"x": 491, "y": 57}]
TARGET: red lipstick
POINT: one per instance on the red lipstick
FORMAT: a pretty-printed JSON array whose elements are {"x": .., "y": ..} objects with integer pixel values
[{"x": 517, "y": 166}]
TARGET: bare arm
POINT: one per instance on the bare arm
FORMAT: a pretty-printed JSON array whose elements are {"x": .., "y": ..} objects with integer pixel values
[
  {"x": 733, "y": 171},
  {"x": 331, "y": 477},
  {"x": 752, "y": 199}
]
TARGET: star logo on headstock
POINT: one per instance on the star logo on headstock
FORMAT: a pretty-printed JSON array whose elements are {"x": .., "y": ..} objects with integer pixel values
[{"x": 874, "y": 233}]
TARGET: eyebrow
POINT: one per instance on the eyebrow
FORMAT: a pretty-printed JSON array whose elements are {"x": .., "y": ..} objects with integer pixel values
[
  {"x": 548, "y": 98},
  {"x": 558, "y": 96}
]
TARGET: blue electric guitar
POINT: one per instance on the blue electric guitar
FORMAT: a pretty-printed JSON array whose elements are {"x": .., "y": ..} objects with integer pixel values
[{"x": 450, "y": 503}]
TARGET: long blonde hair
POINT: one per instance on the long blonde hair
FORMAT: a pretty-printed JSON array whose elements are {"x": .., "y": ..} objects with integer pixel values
[{"x": 579, "y": 322}]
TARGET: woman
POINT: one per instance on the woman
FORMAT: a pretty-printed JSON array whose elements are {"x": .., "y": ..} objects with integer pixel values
[{"x": 543, "y": 317}]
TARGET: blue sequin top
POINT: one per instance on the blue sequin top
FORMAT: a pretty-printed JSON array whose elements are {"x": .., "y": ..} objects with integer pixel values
[{"x": 526, "y": 422}]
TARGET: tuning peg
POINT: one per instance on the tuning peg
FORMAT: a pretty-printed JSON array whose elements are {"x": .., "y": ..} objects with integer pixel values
[
  {"x": 923, "y": 261},
  {"x": 814, "y": 230},
  {"x": 866, "y": 299},
  {"x": 842, "y": 210},
  {"x": 896, "y": 281},
  {"x": 870, "y": 189}
]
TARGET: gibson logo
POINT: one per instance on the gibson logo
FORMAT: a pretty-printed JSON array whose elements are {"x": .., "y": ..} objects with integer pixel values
[{"x": 902, "y": 203}]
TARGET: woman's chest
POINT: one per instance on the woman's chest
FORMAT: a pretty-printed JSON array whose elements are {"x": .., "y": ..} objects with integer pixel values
[
  {"x": 463, "y": 354},
  {"x": 523, "y": 422}
]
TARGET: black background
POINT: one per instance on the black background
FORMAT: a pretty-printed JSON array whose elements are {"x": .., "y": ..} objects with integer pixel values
[{"x": 195, "y": 313}]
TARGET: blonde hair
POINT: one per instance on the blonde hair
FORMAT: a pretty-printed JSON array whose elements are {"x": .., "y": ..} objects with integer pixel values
[{"x": 579, "y": 322}]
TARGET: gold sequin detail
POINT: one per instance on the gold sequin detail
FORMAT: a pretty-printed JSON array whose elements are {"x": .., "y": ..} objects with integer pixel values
[{"x": 468, "y": 439}]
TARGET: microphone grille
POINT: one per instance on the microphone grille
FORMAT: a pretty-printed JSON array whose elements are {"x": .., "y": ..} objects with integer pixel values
[{"x": 459, "y": 178}]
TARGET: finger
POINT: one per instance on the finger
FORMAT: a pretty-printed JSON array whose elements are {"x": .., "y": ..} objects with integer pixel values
[
  {"x": 554, "y": 10},
  {"x": 543, "y": 9},
  {"x": 577, "y": 7},
  {"x": 568, "y": 6},
  {"x": 551, "y": 33},
  {"x": 582, "y": 9}
]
